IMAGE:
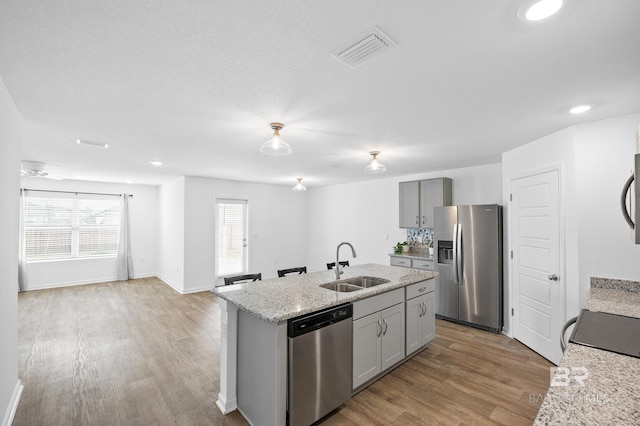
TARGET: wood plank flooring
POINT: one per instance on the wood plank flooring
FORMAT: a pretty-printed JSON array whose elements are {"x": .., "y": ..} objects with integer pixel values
[{"x": 138, "y": 353}]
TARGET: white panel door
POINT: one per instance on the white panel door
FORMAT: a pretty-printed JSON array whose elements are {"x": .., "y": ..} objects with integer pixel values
[{"x": 538, "y": 286}]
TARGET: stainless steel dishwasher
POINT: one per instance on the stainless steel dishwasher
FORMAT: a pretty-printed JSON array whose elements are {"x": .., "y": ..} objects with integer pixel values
[{"x": 319, "y": 364}]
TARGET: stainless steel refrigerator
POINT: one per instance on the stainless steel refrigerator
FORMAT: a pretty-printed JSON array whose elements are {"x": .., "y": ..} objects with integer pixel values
[{"x": 468, "y": 250}]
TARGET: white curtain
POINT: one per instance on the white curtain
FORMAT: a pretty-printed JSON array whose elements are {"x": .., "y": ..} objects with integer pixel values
[
  {"x": 125, "y": 260},
  {"x": 22, "y": 263}
]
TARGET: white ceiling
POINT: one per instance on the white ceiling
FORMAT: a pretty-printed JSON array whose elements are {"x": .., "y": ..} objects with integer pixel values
[{"x": 196, "y": 83}]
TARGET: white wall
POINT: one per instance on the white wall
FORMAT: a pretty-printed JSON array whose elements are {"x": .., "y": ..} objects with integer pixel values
[
  {"x": 10, "y": 137},
  {"x": 277, "y": 228},
  {"x": 367, "y": 213},
  {"x": 143, "y": 209},
  {"x": 596, "y": 158},
  {"x": 604, "y": 158},
  {"x": 171, "y": 209},
  {"x": 553, "y": 151}
]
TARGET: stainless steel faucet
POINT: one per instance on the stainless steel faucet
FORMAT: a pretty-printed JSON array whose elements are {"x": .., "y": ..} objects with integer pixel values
[{"x": 353, "y": 251}]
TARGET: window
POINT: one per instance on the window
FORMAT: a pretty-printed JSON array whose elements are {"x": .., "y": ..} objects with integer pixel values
[
  {"x": 64, "y": 226},
  {"x": 231, "y": 237}
]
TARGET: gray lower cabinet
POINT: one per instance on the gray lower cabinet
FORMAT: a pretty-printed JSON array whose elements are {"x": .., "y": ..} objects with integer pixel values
[
  {"x": 420, "y": 321},
  {"x": 408, "y": 262},
  {"x": 378, "y": 342}
]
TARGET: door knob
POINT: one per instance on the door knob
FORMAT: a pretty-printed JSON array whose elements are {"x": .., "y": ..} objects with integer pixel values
[{"x": 553, "y": 277}]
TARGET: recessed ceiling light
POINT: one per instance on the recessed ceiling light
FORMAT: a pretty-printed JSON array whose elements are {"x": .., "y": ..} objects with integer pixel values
[
  {"x": 92, "y": 143},
  {"x": 542, "y": 9},
  {"x": 156, "y": 163},
  {"x": 580, "y": 109}
]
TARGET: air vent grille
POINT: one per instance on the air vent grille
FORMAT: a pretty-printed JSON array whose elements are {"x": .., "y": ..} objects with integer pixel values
[{"x": 371, "y": 43}]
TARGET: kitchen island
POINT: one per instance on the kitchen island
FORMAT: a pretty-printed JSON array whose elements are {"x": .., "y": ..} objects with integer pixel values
[
  {"x": 253, "y": 353},
  {"x": 608, "y": 392}
]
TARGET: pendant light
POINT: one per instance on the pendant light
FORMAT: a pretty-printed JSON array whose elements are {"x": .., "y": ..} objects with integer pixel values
[
  {"x": 276, "y": 146},
  {"x": 299, "y": 186},
  {"x": 375, "y": 166}
]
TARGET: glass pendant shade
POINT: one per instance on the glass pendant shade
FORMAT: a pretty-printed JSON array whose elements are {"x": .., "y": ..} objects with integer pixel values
[
  {"x": 299, "y": 186},
  {"x": 375, "y": 166},
  {"x": 276, "y": 146}
]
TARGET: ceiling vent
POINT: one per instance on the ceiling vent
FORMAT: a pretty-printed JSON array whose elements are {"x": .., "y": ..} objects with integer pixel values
[{"x": 361, "y": 49}]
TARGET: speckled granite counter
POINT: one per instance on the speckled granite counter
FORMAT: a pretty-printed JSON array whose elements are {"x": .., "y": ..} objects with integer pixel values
[
  {"x": 278, "y": 299},
  {"x": 410, "y": 255},
  {"x": 611, "y": 391}
]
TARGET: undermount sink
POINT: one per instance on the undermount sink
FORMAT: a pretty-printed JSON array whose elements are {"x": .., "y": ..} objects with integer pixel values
[
  {"x": 354, "y": 284},
  {"x": 366, "y": 282},
  {"x": 342, "y": 287}
]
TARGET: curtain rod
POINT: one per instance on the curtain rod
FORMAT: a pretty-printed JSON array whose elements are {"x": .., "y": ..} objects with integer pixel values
[{"x": 73, "y": 192}]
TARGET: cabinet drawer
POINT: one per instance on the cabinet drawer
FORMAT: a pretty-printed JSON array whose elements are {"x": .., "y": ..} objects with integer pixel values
[
  {"x": 377, "y": 303},
  {"x": 400, "y": 261},
  {"x": 418, "y": 289},
  {"x": 422, "y": 264}
]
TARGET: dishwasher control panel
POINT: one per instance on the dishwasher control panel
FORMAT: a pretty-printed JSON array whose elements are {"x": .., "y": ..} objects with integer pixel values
[{"x": 316, "y": 320}]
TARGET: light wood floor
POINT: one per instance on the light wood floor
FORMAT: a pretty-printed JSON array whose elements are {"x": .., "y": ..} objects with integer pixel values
[{"x": 138, "y": 353}]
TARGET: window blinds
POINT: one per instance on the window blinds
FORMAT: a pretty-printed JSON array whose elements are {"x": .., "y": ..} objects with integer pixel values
[
  {"x": 231, "y": 237},
  {"x": 62, "y": 227}
]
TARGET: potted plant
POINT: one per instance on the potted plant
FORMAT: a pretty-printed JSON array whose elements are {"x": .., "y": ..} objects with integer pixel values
[
  {"x": 401, "y": 248},
  {"x": 430, "y": 245}
]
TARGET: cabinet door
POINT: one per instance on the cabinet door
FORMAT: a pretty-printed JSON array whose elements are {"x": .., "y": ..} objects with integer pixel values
[
  {"x": 431, "y": 195},
  {"x": 392, "y": 339},
  {"x": 414, "y": 322},
  {"x": 366, "y": 348},
  {"x": 409, "y": 204},
  {"x": 428, "y": 323}
]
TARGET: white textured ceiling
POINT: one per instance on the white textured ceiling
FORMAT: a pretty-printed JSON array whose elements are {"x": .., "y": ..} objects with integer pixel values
[{"x": 196, "y": 83}]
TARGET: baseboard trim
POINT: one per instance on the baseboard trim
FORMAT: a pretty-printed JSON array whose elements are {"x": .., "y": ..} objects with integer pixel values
[
  {"x": 82, "y": 282},
  {"x": 170, "y": 284},
  {"x": 13, "y": 404},
  {"x": 182, "y": 290},
  {"x": 198, "y": 289}
]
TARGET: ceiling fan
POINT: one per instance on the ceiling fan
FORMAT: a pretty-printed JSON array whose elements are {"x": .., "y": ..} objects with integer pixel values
[{"x": 36, "y": 169}]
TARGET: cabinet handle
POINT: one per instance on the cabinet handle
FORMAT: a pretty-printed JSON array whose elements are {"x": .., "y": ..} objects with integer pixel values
[
  {"x": 423, "y": 220},
  {"x": 421, "y": 289},
  {"x": 379, "y": 330},
  {"x": 423, "y": 309},
  {"x": 385, "y": 326}
]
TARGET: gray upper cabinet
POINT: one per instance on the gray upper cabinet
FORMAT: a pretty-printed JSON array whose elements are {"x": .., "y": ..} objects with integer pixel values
[
  {"x": 410, "y": 204},
  {"x": 418, "y": 198}
]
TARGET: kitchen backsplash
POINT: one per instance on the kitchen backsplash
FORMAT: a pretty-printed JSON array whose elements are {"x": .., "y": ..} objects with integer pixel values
[{"x": 419, "y": 236}]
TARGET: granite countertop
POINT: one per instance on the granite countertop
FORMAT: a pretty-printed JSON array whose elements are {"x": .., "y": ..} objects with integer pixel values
[
  {"x": 278, "y": 299},
  {"x": 610, "y": 394},
  {"x": 412, "y": 255}
]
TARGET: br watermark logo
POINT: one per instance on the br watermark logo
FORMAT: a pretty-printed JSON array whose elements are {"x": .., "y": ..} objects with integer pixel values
[
  {"x": 567, "y": 376},
  {"x": 564, "y": 376}
]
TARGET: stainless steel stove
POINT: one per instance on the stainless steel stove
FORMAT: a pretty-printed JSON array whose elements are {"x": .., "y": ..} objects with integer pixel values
[{"x": 610, "y": 332}]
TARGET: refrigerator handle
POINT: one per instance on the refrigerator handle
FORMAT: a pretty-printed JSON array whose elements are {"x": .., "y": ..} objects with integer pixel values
[
  {"x": 458, "y": 255},
  {"x": 456, "y": 278}
]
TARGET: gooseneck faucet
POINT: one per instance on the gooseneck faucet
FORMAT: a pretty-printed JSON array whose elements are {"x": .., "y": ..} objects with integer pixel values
[{"x": 353, "y": 251}]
